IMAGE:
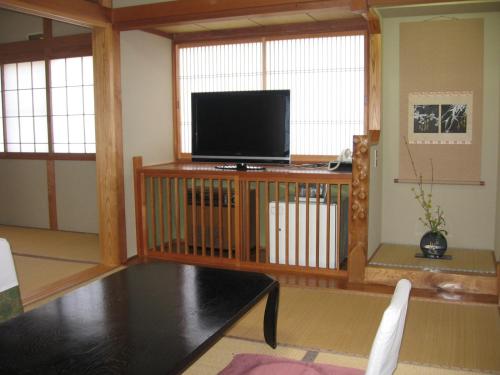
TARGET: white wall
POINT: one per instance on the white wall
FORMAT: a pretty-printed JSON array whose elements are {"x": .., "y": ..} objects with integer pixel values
[
  {"x": 15, "y": 27},
  {"x": 76, "y": 196},
  {"x": 23, "y": 193},
  {"x": 147, "y": 110},
  {"x": 470, "y": 211},
  {"x": 64, "y": 29}
]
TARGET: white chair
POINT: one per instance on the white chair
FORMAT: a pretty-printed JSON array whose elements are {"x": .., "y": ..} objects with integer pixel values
[
  {"x": 383, "y": 356},
  {"x": 385, "y": 348},
  {"x": 10, "y": 298}
]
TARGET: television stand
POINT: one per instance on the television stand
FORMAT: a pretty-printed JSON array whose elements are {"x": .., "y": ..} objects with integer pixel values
[{"x": 241, "y": 167}]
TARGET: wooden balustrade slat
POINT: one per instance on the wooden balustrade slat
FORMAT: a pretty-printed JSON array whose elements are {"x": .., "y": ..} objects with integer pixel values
[
  {"x": 297, "y": 223},
  {"x": 193, "y": 214},
  {"x": 339, "y": 212},
  {"x": 160, "y": 198},
  {"x": 328, "y": 235},
  {"x": 219, "y": 191},
  {"x": 257, "y": 222},
  {"x": 177, "y": 216},
  {"x": 307, "y": 224},
  {"x": 152, "y": 212},
  {"x": 287, "y": 218},
  {"x": 169, "y": 215},
  {"x": 229, "y": 219},
  {"x": 237, "y": 219},
  {"x": 266, "y": 192},
  {"x": 202, "y": 215},
  {"x": 211, "y": 215},
  {"x": 317, "y": 224},
  {"x": 185, "y": 201}
]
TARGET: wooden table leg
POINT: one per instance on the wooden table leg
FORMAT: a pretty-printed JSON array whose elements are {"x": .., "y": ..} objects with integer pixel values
[{"x": 271, "y": 316}]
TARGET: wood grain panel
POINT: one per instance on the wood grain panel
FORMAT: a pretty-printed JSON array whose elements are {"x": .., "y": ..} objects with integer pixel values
[
  {"x": 109, "y": 148},
  {"x": 453, "y": 283}
]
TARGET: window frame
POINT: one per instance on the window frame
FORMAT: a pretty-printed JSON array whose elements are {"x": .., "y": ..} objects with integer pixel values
[
  {"x": 48, "y": 49},
  {"x": 211, "y": 41}
]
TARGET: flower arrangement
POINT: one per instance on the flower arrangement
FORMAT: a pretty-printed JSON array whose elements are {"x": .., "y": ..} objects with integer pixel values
[{"x": 433, "y": 215}]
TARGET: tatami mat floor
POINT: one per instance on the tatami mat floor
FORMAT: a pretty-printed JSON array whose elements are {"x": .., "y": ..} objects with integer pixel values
[
  {"x": 43, "y": 257},
  {"x": 321, "y": 324}
]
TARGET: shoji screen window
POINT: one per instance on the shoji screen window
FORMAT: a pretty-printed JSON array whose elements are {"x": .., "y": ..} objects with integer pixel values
[
  {"x": 72, "y": 94},
  {"x": 325, "y": 76},
  {"x": 25, "y": 107},
  {"x": 210, "y": 68}
]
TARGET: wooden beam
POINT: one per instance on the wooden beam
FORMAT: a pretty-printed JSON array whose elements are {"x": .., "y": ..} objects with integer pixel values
[
  {"x": 188, "y": 11},
  {"x": 52, "y": 197},
  {"x": 109, "y": 148},
  {"x": 338, "y": 26},
  {"x": 78, "y": 12}
]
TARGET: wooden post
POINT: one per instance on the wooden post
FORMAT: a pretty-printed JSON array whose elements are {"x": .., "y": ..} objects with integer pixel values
[
  {"x": 109, "y": 148},
  {"x": 358, "y": 215},
  {"x": 137, "y": 165}
]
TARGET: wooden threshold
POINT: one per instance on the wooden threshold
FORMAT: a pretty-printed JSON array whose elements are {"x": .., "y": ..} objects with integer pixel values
[{"x": 65, "y": 283}]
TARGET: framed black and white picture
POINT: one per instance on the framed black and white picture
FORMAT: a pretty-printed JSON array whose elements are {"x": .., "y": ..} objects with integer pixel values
[{"x": 440, "y": 117}]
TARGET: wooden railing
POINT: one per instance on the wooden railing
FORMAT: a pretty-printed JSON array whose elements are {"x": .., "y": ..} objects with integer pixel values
[{"x": 194, "y": 213}]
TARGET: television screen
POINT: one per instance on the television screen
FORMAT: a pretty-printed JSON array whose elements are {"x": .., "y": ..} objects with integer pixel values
[{"x": 241, "y": 126}]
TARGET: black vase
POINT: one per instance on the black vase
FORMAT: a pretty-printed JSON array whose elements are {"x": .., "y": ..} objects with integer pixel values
[{"x": 433, "y": 244}]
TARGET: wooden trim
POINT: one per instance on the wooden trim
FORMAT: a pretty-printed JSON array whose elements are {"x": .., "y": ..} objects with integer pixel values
[
  {"x": 78, "y": 12},
  {"x": 45, "y": 156},
  {"x": 109, "y": 147},
  {"x": 299, "y": 30},
  {"x": 184, "y": 12},
  {"x": 375, "y": 85},
  {"x": 175, "y": 103},
  {"x": 439, "y": 182},
  {"x": 52, "y": 196},
  {"x": 65, "y": 284},
  {"x": 4, "y": 119},
  {"x": 373, "y": 22},
  {"x": 46, "y": 49},
  {"x": 359, "y": 6}
]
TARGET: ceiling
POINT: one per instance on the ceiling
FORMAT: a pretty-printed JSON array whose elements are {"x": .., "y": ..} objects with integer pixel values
[{"x": 310, "y": 16}]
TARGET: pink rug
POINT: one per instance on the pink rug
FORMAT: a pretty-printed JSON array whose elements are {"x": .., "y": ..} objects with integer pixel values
[{"x": 256, "y": 364}]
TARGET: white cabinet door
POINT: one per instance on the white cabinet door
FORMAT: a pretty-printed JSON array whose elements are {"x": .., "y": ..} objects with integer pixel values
[{"x": 303, "y": 237}]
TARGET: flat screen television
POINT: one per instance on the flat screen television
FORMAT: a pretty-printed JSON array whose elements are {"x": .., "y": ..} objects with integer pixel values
[{"x": 241, "y": 127}]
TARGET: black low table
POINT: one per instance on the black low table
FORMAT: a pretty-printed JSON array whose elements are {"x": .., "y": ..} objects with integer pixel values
[{"x": 154, "y": 318}]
